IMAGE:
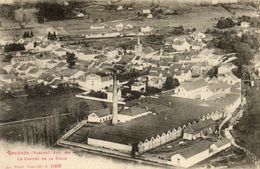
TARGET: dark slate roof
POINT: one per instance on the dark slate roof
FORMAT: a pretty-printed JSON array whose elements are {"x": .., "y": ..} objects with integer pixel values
[
  {"x": 222, "y": 142},
  {"x": 160, "y": 121},
  {"x": 60, "y": 65},
  {"x": 106, "y": 78},
  {"x": 102, "y": 112},
  {"x": 133, "y": 111},
  {"x": 195, "y": 149},
  {"x": 194, "y": 85},
  {"x": 200, "y": 126}
]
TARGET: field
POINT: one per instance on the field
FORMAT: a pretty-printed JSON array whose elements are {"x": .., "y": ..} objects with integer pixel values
[
  {"x": 20, "y": 108},
  {"x": 199, "y": 18},
  {"x": 13, "y": 109}
]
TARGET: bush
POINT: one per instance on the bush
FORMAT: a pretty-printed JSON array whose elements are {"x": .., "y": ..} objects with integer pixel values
[
  {"x": 152, "y": 91},
  {"x": 179, "y": 30},
  {"x": 155, "y": 38},
  {"x": 171, "y": 83},
  {"x": 14, "y": 47},
  {"x": 225, "y": 23}
]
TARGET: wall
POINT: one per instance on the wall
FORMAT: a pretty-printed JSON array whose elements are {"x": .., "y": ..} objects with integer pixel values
[{"x": 110, "y": 145}]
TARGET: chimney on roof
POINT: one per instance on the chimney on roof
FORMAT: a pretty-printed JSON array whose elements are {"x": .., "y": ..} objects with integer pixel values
[{"x": 115, "y": 102}]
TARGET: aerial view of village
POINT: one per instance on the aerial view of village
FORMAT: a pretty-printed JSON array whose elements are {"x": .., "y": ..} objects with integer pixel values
[{"x": 137, "y": 83}]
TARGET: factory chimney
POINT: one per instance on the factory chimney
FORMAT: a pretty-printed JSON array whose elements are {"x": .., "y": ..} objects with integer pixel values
[{"x": 115, "y": 102}]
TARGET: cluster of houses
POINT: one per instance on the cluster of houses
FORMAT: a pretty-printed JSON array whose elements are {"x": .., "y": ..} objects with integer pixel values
[
  {"x": 204, "y": 90},
  {"x": 46, "y": 62}
]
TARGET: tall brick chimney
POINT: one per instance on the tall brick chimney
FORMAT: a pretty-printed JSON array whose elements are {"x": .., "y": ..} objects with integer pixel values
[{"x": 115, "y": 102}]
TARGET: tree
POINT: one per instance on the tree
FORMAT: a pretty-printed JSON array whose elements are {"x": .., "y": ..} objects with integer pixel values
[
  {"x": 171, "y": 83},
  {"x": 14, "y": 47},
  {"x": 213, "y": 72},
  {"x": 71, "y": 59},
  {"x": 155, "y": 38},
  {"x": 52, "y": 36},
  {"x": 24, "y": 35},
  {"x": 179, "y": 30},
  {"x": 49, "y": 35},
  {"x": 31, "y": 34},
  {"x": 7, "y": 58},
  {"x": 152, "y": 90},
  {"x": 225, "y": 23}
]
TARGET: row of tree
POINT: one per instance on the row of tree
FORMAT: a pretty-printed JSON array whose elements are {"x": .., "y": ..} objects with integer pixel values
[
  {"x": 44, "y": 132},
  {"x": 28, "y": 34},
  {"x": 52, "y": 36},
  {"x": 38, "y": 91}
]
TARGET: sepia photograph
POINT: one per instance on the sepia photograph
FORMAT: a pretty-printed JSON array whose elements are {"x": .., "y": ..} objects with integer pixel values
[{"x": 129, "y": 84}]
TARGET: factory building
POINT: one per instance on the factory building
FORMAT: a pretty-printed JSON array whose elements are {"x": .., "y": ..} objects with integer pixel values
[
  {"x": 200, "y": 129},
  {"x": 161, "y": 125},
  {"x": 198, "y": 152}
]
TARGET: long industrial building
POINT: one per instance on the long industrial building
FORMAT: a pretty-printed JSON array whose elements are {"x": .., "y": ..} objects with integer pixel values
[{"x": 151, "y": 131}]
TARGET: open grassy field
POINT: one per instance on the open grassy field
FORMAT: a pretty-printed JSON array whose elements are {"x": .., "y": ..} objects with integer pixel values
[
  {"x": 13, "y": 109},
  {"x": 20, "y": 108},
  {"x": 199, "y": 17}
]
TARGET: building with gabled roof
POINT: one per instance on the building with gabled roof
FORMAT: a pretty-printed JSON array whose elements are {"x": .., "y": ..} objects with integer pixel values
[
  {"x": 198, "y": 152},
  {"x": 191, "y": 89},
  {"x": 231, "y": 79},
  {"x": 200, "y": 129},
  {"x": 132, "y": 113},
  {"x": 181, "y": 45},
  {"x": 100, "y": 116}
]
